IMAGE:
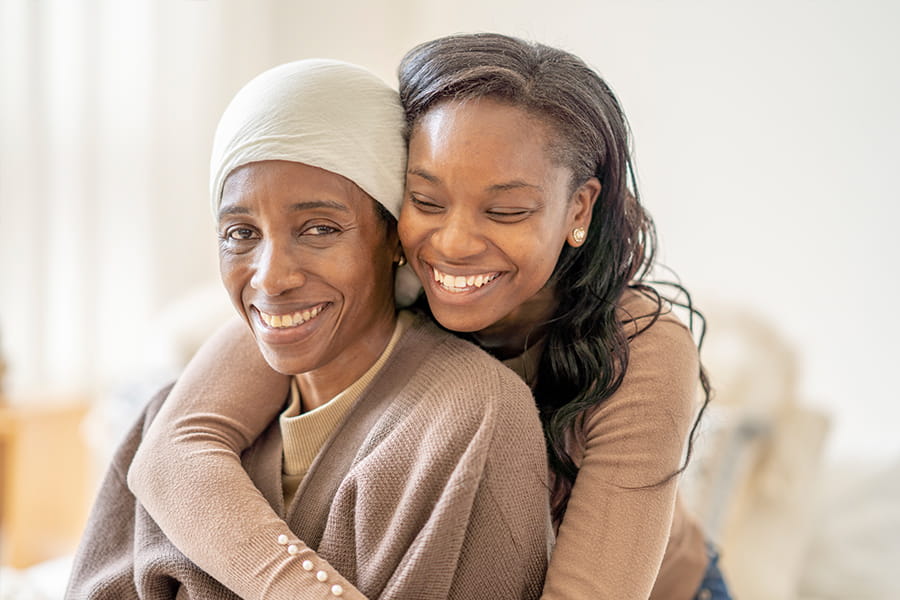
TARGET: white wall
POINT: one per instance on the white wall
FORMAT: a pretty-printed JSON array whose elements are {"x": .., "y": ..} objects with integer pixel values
[
  {"x": 766, "y": 139},
  {"x": 765, "y": 136}
]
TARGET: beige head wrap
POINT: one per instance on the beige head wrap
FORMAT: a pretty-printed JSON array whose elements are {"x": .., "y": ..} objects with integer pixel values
[{"x": 324, "y": 113}]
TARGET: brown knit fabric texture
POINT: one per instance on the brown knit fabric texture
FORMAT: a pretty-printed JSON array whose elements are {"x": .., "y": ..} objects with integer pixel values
[
  {"x": 622, "y": 536},
  {"x": 433, "y": 486},
  {"x": 614, "y": 542}
]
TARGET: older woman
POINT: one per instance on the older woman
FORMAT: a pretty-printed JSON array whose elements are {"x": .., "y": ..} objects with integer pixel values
[{"x": 408, "y": 463}]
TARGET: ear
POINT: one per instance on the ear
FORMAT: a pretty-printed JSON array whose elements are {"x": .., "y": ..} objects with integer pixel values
[
  {"x": 399, "y": 256},
  {"x": 581, "y": 208}
]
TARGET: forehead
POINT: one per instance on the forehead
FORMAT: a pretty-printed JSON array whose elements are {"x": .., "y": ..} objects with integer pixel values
[
  {"x": 277, "y": 183},
  {"x": 482, "y": 127},
  {"x": 484, "y": 137}
]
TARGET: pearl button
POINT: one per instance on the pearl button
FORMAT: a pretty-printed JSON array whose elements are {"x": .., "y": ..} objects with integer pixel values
[
  {"x": 293, "y": 549},
  {"x": 337, "y": 590},
  {"x": 307, "y": 565},
  {"x": 282, "y": 539},
  {"x": 322, "y": 576}
]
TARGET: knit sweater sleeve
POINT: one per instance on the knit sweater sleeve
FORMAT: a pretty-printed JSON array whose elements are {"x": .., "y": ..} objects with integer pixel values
[
  {"x": 188, "y": 475},
  {"x": 614, "y": 533}
]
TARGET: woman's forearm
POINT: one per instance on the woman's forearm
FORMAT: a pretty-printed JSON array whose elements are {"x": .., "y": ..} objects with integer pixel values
[{"x": 188, "y": 475}]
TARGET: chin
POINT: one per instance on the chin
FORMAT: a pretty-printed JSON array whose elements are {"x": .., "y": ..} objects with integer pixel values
[
  {"x": 286, "y": 365},
  {"x": 459, "y": 320}
]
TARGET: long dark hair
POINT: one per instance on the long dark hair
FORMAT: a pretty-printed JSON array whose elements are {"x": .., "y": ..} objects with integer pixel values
[{"x": 587, "y": 348}]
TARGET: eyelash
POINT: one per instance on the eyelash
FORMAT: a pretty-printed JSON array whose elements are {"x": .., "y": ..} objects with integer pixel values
[
  {"x": 508, "y": 213},
  {"x": 425, "y": 206},
  {"x": 229, "y": 235},
  {"x": 502, "y": 216},
  {"x": 329, "y": 229}
]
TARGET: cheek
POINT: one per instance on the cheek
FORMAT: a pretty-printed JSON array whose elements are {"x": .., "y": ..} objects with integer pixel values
[
  {"x": 536, "y": 257},
  {"x": 408, "y": 228},
  {"x": 538, "y": 270},
  {"x": 367, "y": 275},
  {"x": 226, "y": 272},
  {"x": 234, "y": 273}
]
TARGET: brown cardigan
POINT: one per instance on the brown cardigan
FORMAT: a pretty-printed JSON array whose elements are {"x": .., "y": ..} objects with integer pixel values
[
  {"x": 614, "y": 542},
  {"x": 427, "y": 489}
]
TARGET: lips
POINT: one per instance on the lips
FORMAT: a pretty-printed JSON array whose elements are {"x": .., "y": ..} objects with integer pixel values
[
  {"x": 463, "y": 283},
  {"x": 291, "y": 319}
]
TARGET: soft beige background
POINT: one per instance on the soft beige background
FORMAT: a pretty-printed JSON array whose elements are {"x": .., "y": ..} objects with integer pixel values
[{"x": 766, "y": 139}]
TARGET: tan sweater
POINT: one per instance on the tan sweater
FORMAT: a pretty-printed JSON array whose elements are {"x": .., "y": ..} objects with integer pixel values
[
  {"x": 616, "y": 542},
  {"x": 613, "y": 542},
  {"x": 427, "y": 489},
  {"x": 303, "y": 434}
]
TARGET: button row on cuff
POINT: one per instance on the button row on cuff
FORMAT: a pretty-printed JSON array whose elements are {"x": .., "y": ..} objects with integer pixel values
[{"x": 307, "y": 565}]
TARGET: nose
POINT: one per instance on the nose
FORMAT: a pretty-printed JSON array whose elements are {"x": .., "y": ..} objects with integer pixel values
[
  {"x": 276, "y": 270},
  {"x": 457, "y": 237}
]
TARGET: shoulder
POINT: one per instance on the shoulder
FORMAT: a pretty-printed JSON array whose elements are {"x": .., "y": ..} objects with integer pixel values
[
  {"x": 461, "y": 377},
  {"x": 661, "y": 344},
  {"x": 125, "y": 451},
  {"x": 661, "y": 381},
  {"x": 155, "y": 403}
]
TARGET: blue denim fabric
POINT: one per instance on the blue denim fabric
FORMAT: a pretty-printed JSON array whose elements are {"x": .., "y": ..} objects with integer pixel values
[{"x": 713, "y": 586}]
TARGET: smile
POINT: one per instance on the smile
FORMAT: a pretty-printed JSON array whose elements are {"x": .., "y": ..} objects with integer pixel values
[
  {"x": 294, "y": 319},
  {"x": 463, "y": 283}
]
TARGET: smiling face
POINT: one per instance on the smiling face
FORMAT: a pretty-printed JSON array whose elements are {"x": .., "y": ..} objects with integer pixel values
[
  {"x": 486, "y": 215},
  {"x": 308, "y": 265}
]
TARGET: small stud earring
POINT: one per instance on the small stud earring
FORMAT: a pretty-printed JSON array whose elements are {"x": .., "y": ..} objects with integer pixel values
[
  {"x": 401, "y": 261},
  {"x": 578, "y": 235}
]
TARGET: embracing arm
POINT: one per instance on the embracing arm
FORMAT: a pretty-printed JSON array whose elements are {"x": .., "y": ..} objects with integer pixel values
[
  {"x": 188, "y": 475},
  {"x": 614, "y": 534},
  {"x": 197, "y": 490}
]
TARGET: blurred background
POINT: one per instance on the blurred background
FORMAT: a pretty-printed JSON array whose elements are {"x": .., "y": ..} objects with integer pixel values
[{"x": 766, "y": 140}]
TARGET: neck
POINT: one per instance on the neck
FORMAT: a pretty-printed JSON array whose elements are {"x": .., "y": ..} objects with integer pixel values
[
  {"x": 520, "y": 329},
  {"x": 318, "y": 387}
]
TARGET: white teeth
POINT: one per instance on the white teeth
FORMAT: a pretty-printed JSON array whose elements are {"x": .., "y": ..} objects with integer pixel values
[
  {"x": 459, "y": 283},
  {"x": 290, "y": 320}
]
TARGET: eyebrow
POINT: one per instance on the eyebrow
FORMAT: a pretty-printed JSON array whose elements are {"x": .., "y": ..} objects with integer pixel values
[
  {"x": 512, "y": 185},
  {"x": 424, "y": 175},
  {"x": 497, "y": 187},
  {"x": 296, "y": 207}
]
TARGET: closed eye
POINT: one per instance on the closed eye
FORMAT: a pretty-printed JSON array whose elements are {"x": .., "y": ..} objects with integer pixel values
[
  {"x": 424, "y": 205},
  {"x": 509, "y": 215}
]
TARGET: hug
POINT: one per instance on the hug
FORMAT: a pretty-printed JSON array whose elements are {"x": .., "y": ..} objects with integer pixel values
[{"x": 509, "y": 423}]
